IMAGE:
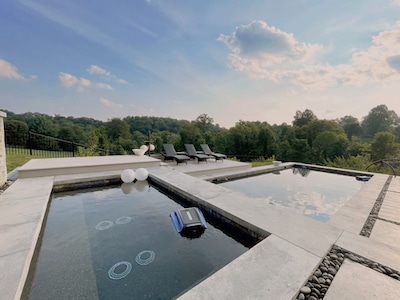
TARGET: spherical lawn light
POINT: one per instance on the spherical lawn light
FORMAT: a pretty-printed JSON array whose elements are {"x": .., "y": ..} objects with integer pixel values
[
  {"x": 152, "y": 147},
  {"x": 142, "y": 174},
  {"x": 128, "y": 175},
  {"x": 144, "y": 147}
]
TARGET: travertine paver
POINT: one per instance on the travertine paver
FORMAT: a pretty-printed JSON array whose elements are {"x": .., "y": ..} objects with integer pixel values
[
  {"x": 385, "y": 254},
  {"x": 390, "y": 209},
  {"x": 353, "y": 215},
  {"x": 273, "y": 269},
  {"x": 354, "y": 281},
  {"x": 386, "y": 232},
  {"x": 22, "y": 210}
]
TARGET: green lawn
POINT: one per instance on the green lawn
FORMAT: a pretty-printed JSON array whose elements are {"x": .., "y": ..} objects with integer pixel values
[{"x": 21, "y": 156}]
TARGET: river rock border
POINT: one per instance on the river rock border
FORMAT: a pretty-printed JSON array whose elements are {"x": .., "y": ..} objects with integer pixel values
[
  {"x": 320, "y": 281},
  {"x": 373, "y": 215}
]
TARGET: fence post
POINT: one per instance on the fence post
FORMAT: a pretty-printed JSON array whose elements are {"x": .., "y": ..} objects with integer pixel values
[
  {"x": 3, "y": 159},
  {"x": 73, "y": 149},
  {"x": 30, "y": 142}
]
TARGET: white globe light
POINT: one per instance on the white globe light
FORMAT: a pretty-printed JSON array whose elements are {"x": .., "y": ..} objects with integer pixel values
[
  {"x": 142, "y": 174},
  {"x": 128, "y": 187},
  {"x": 152, "y": 147},
  {"x": 144, "y": 147},
  {"x": 128, "y": 175}
]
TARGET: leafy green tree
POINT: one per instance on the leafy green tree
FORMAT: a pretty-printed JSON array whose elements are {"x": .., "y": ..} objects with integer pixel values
[
  {"x": 303, "y": 118},
  {"x": 138, "y": 139},
  {"x": 282, "y": 131},
  {"x": 396, "y": 132},
  {"x": 379, "y": 119},
  {"x": 359, "y": 162},
  {"x": 384, "y": 146},
  {"x": 15, "y": 126},
  {"x": 267, "y": 141},
  {"x": 223, "y": 143},
  {"x": 43, "y": 125},
  {"x": 351, "y": 126},
  {"x": 299, "y": 151},
  {"x": 116, "y": 128},
  {"x": 204, "y": 122},
  {"x": 357, "y": 148},
  {"x": 245, "y": 138},
  {"x": 316, "y": 127},
  {"x": 191, "y": 134},
  {"x": 329, "y": 144},
  {"x": 16, "y": 132}
]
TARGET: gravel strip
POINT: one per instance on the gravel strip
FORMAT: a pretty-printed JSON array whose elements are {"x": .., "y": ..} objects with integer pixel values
[
  {"x": 320, "y": 281},
  {"x": 369, "y": 224}
]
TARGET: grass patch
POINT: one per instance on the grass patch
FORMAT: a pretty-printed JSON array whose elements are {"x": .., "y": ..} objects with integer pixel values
[
  {"x": 17, "y": 160},
  {"x": 18, "y": 157},
  {"x": 259, "y": 162}
]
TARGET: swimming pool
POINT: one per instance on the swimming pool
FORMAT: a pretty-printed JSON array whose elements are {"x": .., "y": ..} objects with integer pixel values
[
  {"x": 118, "y": 242},
  {"x": 312, "y": 193}
]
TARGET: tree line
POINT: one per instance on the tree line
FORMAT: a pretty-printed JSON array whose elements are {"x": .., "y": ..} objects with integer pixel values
[{"x": 344, "y": 142}]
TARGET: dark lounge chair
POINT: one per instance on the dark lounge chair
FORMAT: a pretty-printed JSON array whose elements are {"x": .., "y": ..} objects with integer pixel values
[
  {"x": 192, "y": 153},
  {"x": 206, "y": 149},
  {"x": 170, "y": 153}
]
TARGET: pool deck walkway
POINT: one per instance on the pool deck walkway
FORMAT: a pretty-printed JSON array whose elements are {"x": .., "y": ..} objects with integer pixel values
[{"x": 276, "y": 268}]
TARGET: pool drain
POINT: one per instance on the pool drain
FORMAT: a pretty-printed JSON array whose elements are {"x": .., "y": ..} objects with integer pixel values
[
  {"x": 103, "y": 225},
  {"x": 123, "y": 220},
  {"x": 117, "y": 276},
  {"x": 144, "y": 262}
]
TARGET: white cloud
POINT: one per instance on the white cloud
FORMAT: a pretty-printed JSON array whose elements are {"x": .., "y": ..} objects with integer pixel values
[
  {"x": 96, "y": 70},
  {"x": 93, "y": 69},
  {"x": 69, "y": 81},
  {"x": 9, "y": 71},
  {"x": 109, "y": 103},
  {"x": 267, "y": 44},
  {"x": 104, "y": 86},
  {"x": 265, "y": 52}
]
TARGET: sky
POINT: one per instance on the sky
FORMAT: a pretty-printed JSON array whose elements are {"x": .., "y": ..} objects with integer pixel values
[{"x": 232, "y": 60}]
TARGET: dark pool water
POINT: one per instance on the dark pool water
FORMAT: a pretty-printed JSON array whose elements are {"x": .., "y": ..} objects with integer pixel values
[
  {"x": 312, "y": 193},
  {"x": 90, "y": 231}
]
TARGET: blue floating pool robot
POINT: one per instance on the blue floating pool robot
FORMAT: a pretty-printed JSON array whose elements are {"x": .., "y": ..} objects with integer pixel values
[
  {"x": 363, "y": 178},
  {"x": 189, "y": 222}
]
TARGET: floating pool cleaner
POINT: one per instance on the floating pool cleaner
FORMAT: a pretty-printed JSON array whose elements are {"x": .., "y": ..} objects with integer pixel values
[
  {"x": 189, "y": 222},
  {"x": 363, "y": 178}
]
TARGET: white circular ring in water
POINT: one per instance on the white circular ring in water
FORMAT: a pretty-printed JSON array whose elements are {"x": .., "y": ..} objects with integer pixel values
[
  {"x": 144, "y": 262},
  {"x": 123, "y": 220},
  {"x": 128, "y": 175},
  {"x": 103, "y": 225},
  {"x": 142, "y": 174},
  {"x": 117, "y": 276}
]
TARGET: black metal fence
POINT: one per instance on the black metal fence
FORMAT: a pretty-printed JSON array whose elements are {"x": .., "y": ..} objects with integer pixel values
[{"x": 32, "y": 143}]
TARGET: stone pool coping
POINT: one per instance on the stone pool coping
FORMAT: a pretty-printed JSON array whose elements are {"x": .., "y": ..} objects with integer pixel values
[{"x": 277, "y": 267}]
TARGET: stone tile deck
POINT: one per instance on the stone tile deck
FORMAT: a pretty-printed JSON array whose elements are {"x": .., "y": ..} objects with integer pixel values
[{"x": 276, "y": 268}]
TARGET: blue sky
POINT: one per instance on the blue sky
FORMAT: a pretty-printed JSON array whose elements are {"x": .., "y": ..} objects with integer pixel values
[{"x": 233, "y": 60}]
